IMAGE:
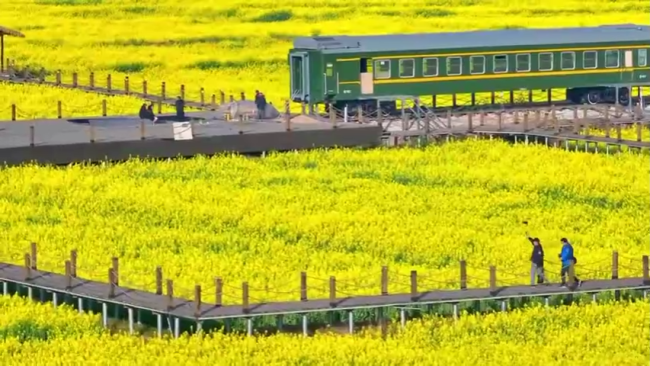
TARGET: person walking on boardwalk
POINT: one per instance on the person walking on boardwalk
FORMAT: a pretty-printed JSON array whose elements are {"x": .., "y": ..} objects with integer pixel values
[
  {"x": 180, "y": 108},
  {"x": 567, "y": 258},
  {"x": 537, "y": 262}
]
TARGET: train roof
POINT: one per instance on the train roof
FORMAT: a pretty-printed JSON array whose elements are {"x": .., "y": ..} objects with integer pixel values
[{"x": 475, "y": 39}]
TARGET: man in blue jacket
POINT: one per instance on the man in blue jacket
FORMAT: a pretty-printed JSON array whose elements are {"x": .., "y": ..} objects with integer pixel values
[{"x": 567, "y": 257}]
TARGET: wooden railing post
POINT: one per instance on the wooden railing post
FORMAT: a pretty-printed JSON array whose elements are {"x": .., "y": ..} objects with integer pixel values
[
  {"x": 499, "y": 121},
  {"x": 170, "y": 294},
  {"x": 34, "y": 256},
  {"x": 159, "y": 280},
  {"x": 58, "y": 77},
  {"x": 244, "y": 294},
  {"x": 74, "y": 80},
  {"x": 493, "y": 278},
  {"x": 116, "y": 269},
  {"x": 287, "y": 115},
  {"x": 13, "y": 112},
  {"x": 218, "y": 284},
  {"x": 111, "y": 283},
  {"x": 470, "y": 122},
  {"x": 243, "y": 96},
  {"x": 646, "y": 274},
  {"x": 384, "y": 280},
  {"x": 414, "y": 285},
  {"x": 222, "y": 97},
  {"x": 73, "y": 263},
  {"x": 182, "y": 91},
  {"x": 639, "y": 131},
  {"x": 143, "y": 131},
  {"x": 615, "y": 265},
  {"x": 126, "y": 85},
  {"x": 28, "y": 267},
  {"x": 109, "y": 83},
  {"x": 91, "y": 80},
  {"x": 332, "y": 291},
  {"x": 231, "y": 99},
  {"x": 68, "y": 274},
  {"x": 104, "y": 108},
  {"x": 163, "y": 92},
  {"x": 213, "y": 101},
  {"x": 463, "y": 275},
  {"x": 144, "y": 88},
  {"x": 303, "y": 286},
  {"x": 202, "y": 97},
  {"x": 59, "y": 109},
  {"x": 32, "y": 136},
  {"x": 197, "y": 301}
]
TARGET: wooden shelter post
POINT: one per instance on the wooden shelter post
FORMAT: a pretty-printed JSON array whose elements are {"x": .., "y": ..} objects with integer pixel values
[{"x": 6, "y": 32}]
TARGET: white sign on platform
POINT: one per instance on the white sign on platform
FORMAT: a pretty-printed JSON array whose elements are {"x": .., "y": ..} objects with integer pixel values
[{"x": 182, "y": 131}]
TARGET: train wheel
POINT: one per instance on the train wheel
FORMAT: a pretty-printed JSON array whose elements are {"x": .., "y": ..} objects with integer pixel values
[
  {"x": 623, "y": 96},
  {"x": 593, "y": 97}
]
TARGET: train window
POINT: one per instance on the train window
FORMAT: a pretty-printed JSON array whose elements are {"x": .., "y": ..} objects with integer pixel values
[
  {"x": 589, "y": 60},
  {"x": 382, "y": 69},
  {"x": 612, "y": 58},
  {"x": 430, "y": 67},
  {"x": 568, "y": 60},
  {"x": 407, "y": 68},
  {"x": 545, "y": 61},
  {"x": 454, "y": 65},
  {"x": 477, "y": 64},
  {"x": 500, "y": 64},
  {"x": 643, "y": 57},
  {"x": 523, "y": 62}
]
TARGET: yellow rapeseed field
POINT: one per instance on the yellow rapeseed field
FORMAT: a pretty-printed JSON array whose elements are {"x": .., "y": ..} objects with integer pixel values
[
  {"x": 341, "y": 212},
  {"x": 237, "y": 45},
  {"x": 616, "y": 334}
]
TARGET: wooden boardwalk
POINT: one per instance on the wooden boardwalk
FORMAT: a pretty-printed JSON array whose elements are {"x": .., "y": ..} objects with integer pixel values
[{"x": 201, "y": 311}]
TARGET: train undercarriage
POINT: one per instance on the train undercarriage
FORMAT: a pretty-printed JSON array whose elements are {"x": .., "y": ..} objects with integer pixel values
[{"x": 589, "y": 95}]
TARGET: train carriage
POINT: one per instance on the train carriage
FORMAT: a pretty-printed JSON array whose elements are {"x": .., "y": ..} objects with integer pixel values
[{"x": 594, "y": 64}]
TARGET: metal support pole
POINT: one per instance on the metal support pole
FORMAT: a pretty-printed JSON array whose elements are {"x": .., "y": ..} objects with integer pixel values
[
  {"x": 402, "y": 317},
  {"x": 105, "y": 315},
  {"x": 455, "y": 310},
  {"x": 130, "y": 312},
  {"x": 55, "y": 299},
  {"x": 159, "y": 324},
  {"x": 80, "y": 305},
  {"x": 249, "y": 326},
  {"x": 504, "y": 305},
  {"x": 177, "y": 327},
  {"x": 304, "y": 325},
  {"x": 350, "y": 322}
]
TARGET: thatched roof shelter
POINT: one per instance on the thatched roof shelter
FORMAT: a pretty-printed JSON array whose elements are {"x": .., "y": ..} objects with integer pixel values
[{"x": 4, "y": 31}]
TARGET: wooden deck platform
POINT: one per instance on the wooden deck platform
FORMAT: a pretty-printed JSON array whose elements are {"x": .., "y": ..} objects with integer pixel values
[{"x": 62, "y": 141}]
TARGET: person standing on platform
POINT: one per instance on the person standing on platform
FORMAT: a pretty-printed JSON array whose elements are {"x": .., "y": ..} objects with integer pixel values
[
  {"x": 143, "y": 111},
  {"x": 537, "y": 262},
  {"x": 567, "y": 258},
  {"x": 180, "y": 109}
]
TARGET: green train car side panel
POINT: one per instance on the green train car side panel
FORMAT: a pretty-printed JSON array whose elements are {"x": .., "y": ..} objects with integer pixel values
[{"x": 348, "y": 74}]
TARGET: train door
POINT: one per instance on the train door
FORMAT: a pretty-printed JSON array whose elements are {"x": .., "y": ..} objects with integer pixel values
[
  {"x": 299, "y": 76},
  {"x": 365, "y": 76},
  {"x": 628, "y": 64}
]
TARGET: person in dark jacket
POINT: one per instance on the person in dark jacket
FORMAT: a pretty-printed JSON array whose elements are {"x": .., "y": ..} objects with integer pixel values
[
  {"x": 150, "y": 114},
  {"x": 567, "y": 258},
  {"x": 143, "y": 111},
  {"x": 537, "y": 262},
  {"x": 180, "y": 109}
]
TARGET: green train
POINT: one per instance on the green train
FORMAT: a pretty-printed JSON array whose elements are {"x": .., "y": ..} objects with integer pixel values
[{"x": 594, "y": 65}]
